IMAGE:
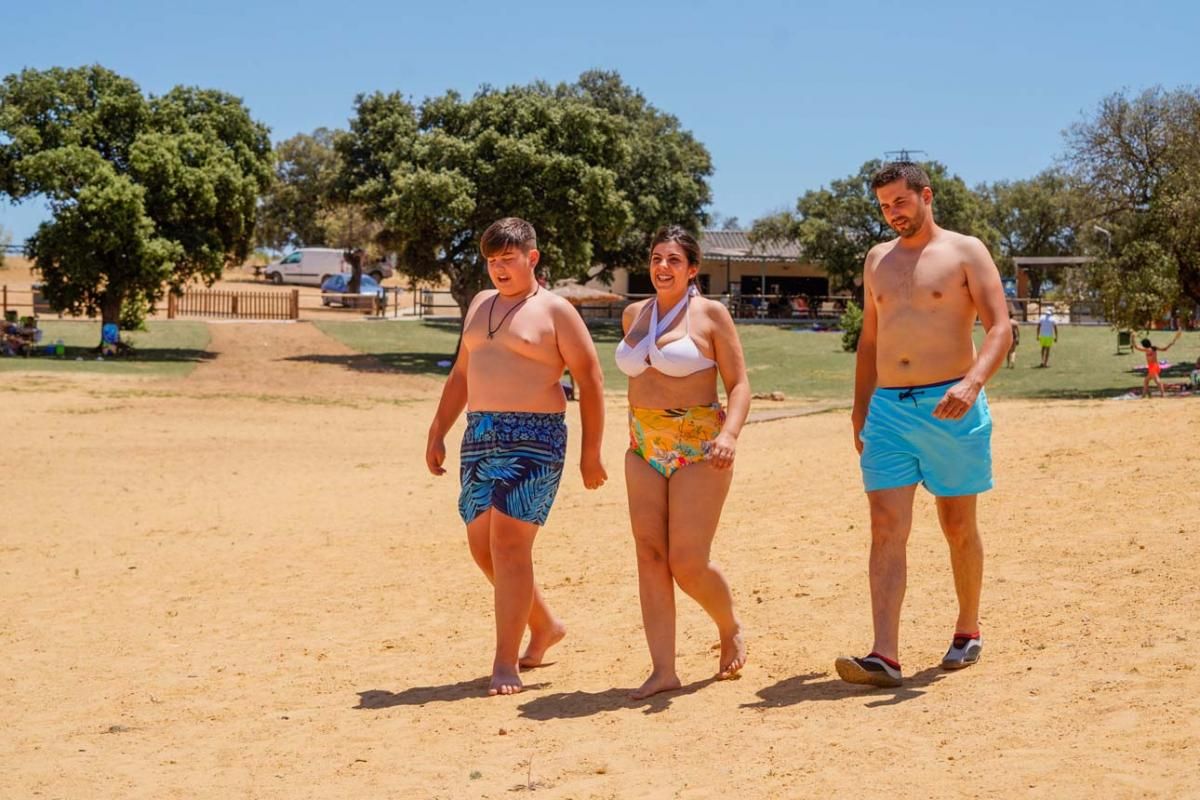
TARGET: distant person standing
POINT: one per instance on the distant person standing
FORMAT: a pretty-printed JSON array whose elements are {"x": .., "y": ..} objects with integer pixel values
[
  {"x": 1047, "y": 334},
  {"x": 1011, "y": 359}
]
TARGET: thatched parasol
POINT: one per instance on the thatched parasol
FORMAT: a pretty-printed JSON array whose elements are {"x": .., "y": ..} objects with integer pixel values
[{"x": 579, "y": 295}]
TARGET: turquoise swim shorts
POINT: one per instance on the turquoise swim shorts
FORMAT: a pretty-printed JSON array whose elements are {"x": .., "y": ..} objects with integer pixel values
[{"x": 904, "y": 444}]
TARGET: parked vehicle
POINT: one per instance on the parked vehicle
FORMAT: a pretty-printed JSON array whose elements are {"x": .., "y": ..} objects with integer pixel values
[
  {"x": 335, "y": 291},
  {"x": 308, "y": 265},
  {"x": 379, "y": 270}
]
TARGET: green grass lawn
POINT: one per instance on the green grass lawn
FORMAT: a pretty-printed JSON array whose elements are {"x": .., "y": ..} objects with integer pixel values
[
  {"x": 164, "y": 349},
  {"x": 812, "y": 365}
]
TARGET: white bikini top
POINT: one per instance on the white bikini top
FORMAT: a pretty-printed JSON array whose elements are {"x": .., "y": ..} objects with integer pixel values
[{"x": 675, "y": 359}]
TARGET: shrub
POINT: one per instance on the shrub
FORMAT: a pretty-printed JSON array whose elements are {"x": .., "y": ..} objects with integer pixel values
[{"x": 851, "y": 323}]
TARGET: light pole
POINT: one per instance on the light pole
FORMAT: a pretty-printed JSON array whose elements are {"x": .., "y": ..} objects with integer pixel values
[{"x": 1107, "y": 237}]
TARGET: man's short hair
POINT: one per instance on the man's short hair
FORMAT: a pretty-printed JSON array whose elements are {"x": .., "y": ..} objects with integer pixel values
[
  {"x": 914, "y": 176},
  {"x": 505, "y": 233}
]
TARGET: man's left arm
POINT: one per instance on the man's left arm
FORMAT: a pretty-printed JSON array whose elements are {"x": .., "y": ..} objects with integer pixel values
[
  {"x": 987, "y": 292},
  {"x": 579, "y": 354}
]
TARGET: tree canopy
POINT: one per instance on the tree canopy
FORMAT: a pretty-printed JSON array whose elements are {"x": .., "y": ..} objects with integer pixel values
[
  {"x": 836, "y": 226},
  {"x": 303, "y": 187},
  {"x": 1138, "y": 159},
  {"x": 592, "y": 165},
  {"x": 145, "y": 193}
]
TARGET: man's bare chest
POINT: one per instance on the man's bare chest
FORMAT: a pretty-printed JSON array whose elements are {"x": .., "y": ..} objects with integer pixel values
[{"x": 926, "y": 281}]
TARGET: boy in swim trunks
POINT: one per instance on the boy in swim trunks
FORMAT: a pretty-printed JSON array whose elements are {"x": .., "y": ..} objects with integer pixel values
[
  {"x": 1153, "y": 368},
  {"x": 516, "y": 342},
  {"x": 920, "y": 414}
]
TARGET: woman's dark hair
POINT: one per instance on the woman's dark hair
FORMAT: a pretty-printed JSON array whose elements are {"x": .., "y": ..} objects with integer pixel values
[
  {"x": 680, "y": 236},
  {"x": 1146, "y": 343}
]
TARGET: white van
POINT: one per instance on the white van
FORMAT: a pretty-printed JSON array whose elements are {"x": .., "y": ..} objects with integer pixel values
[{"x": 308, "y": 265}]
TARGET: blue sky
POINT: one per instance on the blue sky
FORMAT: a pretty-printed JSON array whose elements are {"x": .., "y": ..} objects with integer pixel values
[{"x": 786, "y": 95}]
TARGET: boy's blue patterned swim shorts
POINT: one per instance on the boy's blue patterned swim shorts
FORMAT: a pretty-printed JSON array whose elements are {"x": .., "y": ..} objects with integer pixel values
[{"x": 512, "y": 461}]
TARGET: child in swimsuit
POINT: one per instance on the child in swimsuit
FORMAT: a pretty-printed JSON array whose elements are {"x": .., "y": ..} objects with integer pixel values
[
  {"x": 515, "y": 343},
  {"x": 1153, "y": 368},
  {"x": 681, "y": 448}
]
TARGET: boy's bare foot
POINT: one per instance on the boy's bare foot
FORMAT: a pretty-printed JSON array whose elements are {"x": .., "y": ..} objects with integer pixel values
[
  {"x": 539, "y": 643},
  {"x": 656, "y": 683},
  {"x": 504, "y": 681},
  {"x": 733, "y": 655}
]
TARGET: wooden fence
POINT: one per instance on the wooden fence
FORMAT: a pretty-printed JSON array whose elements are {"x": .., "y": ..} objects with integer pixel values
[{"x": 219, "y": 304}]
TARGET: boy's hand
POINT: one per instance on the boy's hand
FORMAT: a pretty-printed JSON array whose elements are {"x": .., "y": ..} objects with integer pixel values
[
  {"x": 435, "y": 454},
  {"x": 594, "y": 474}
]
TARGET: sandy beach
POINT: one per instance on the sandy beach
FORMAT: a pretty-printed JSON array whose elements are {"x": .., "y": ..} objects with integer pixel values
[{"x": 244, "y": 583}]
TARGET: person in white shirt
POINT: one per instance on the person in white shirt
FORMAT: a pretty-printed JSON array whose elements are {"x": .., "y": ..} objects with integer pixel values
[{"x": 1047, "y": 334}]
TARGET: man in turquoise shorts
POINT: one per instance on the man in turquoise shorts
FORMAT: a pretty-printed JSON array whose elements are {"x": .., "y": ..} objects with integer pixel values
[
  {"x": 920, "y": 414},
  {"x": 516, "y": 341}
]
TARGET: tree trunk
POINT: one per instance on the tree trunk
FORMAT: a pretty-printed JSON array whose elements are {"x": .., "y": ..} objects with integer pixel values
[
  {"x": 110, "y": 311},
  {"x": 355, "y": 257},
  {"x": 465, "y": 283}
]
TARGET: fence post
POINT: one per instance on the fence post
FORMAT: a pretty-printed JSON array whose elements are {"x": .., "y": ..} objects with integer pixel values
[{"x": 295, "y": 304}]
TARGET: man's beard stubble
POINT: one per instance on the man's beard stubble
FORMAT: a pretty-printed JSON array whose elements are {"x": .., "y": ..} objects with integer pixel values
[{"x": 913, "y": 227}]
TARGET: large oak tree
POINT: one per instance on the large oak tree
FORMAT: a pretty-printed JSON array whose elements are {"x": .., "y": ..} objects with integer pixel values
[
  {"x": 146, "y": 193},
  {"x": 592, "y": 165}
]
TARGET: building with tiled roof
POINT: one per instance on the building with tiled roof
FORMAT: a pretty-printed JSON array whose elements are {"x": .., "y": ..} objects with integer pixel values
[{"x": 732, "y": 265}]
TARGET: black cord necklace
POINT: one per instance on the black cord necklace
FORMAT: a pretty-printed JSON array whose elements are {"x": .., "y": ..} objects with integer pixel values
[{"x": 493, "y": 331}]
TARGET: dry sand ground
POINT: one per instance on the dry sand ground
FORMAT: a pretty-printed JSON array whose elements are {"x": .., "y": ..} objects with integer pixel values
[{"x": 244, "y": 584}]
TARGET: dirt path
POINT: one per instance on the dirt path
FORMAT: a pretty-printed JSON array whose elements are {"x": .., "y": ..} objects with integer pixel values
[{"x": 295, "y": 359}]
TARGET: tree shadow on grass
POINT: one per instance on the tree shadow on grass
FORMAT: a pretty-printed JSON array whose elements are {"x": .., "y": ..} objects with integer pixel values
[
  {"x": 406, "y": 363},
  {"x": 807, "y": 689},
  {"x": 1068, "y": 394},
  {"x": 376, "y": 699},
  {"x": 573, "y": 705},
  {"x": 135, "y": 355}
]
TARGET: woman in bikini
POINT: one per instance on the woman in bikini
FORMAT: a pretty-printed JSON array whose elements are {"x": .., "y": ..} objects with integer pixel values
[{"x": 681, "y": 450}]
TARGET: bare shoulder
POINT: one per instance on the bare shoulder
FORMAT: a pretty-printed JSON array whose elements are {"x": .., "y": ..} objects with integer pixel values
[
  {"x": 879, "y": 251},
  {"x": 714, "y": 310},
  {"x": 971, "y": 247},
  {"x": 478, "y": 300},
  {"x": 874, "y": 256},
  {"x": 555, "y": 303},
  {"x": 631, "y": 311},
  {"x": 882, "y": 249}
]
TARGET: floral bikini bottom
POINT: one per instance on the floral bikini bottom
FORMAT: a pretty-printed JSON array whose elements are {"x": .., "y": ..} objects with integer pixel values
[{"x": 670, "y": 438}]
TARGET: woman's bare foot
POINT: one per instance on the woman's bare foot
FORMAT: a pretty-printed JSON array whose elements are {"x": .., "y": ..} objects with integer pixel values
[
  {"x": 539, "y": 643},
  {"x": 504, "y": 681},
  {"x": 733, "y": 655},
  {"x": 656, "y": 683}
]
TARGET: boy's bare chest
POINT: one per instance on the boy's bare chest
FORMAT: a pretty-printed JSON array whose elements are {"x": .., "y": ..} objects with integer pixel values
[{"x": 523, "y": 335}]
